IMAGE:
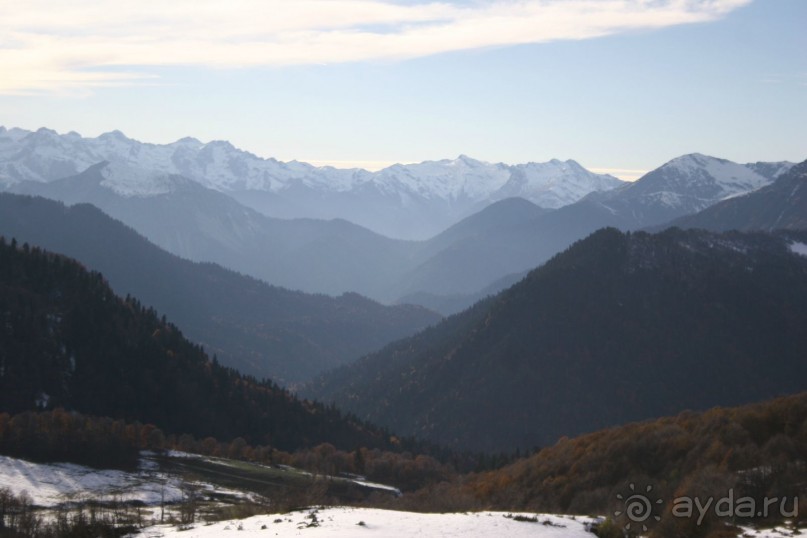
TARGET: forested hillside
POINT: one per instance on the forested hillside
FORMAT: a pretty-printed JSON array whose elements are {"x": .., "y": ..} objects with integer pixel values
[
  {"x": 756, "y": 451},
  {"x": 66, "y": 340},
  {"x": 620, "y": 327}
]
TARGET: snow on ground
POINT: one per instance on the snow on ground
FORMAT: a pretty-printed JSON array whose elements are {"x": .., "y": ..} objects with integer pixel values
[
  {"x": 341, "y": 522},
  {"x": 799, "y": 248},
  {"x": 376, "y": 485},
  {"x": 54, "y": 483},
  {"x": 50, "y": 484},
  {"x": 732, "y": 178},
  {"x": 777, "y": 532}
]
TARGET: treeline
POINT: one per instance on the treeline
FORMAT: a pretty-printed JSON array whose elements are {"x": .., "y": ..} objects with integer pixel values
[
  {"x": 60, "y": 436},
  {"x": 404, "y": 470}
]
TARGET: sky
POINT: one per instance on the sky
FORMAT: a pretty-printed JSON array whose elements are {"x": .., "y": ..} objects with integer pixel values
[{"x": 618, "y": 85}]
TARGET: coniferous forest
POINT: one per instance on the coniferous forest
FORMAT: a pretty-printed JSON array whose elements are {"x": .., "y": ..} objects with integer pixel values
[
  {"x": 67, "y": 341},
  {"x": 619, "y": 327}
]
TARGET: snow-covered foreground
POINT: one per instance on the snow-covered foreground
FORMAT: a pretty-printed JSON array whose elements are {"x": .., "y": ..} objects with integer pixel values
[
  {"x": 50, "y": 485},
  {"x": 339, "y": 522},
  {"x": 351, "y": 522}
]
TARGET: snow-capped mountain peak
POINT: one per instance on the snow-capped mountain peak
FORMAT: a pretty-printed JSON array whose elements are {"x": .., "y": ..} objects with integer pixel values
[
  {"x": 731, "y": 178},
  {"x": 451, "y": 180},
  {"x": 469, "y": 162},
  {"x": 114, "y": 135},
  {"x": 187, "y": 141},
  {"x": 699, "y": 180},
  {"x": 684, "y": 185}
]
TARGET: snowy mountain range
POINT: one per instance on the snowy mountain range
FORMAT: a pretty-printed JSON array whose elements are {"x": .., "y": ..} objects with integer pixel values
[
  {"x": 413, "y": 201},
  {"x": 212, "y": 203}
]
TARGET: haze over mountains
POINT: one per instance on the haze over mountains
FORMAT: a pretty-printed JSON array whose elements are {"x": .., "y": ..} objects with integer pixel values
[
  {"x": 618, "y": 328},
  {"x": 68, "y": 341},
  {"x": 261, "y": 330},
  {"x": 191, "y": 199},
  {"x": 184, "y": 197}
]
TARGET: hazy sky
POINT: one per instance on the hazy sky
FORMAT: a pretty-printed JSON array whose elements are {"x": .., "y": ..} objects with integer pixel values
[{"x": 614, "y": 84}]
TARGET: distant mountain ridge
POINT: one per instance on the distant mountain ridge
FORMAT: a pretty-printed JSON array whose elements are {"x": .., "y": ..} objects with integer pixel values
[
  {"x": 619, "y": 327},
  {"x": 408, "y": 201}
]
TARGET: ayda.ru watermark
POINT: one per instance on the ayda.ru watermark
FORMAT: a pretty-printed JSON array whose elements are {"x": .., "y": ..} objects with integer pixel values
[
  {"x": 735, "y": 508},
  {"x": 642, "y": 508}
]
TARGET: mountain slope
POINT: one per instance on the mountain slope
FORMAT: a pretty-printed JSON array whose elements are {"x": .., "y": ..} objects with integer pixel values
[
  {"x": 620, "y": 327},
  {"x": 687, "y": 184},
  {"x": 260, "y": 329},
  {"x": 497, "y": 217},
  {"x": 755, "y": 451},
  {"x": 67, "y": 341},
  {"x": 450, "y": 304},
  {"x": 473, "y": 254},
  {"x": 780, "y": 205},
  {"x": 682, "y": 186}
]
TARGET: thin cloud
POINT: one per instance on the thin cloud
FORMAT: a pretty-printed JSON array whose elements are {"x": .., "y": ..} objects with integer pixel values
[
  {"x": 372, "y": 166},
  {"x": 51, "y": 45},
  {"x": 626, "y": 174}
]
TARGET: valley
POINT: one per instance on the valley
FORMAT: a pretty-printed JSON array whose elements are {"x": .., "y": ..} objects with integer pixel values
[
  {"x": 394, "y": 268},
  {"x": 232, "y": 363}
]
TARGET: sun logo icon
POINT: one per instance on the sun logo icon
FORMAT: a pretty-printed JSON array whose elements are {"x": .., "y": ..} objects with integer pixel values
[{"x": 639, "y": 507}]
